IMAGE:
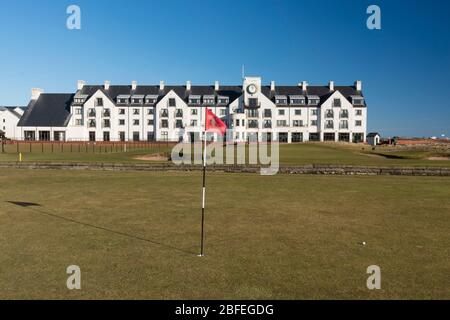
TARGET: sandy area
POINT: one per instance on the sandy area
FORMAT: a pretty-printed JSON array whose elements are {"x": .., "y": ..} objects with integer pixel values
[
  {"x": 439, "y": 158},
  {"x": 153, "y": 157}
]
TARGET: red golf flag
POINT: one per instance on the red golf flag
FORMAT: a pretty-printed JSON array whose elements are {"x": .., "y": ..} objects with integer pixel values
[{"x": 214, "y": 124}]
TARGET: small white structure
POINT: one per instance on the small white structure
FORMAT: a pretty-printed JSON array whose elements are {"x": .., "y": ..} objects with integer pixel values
[
  {"x": 373, "y": 138},
  {"x": 9, "y": 117}
]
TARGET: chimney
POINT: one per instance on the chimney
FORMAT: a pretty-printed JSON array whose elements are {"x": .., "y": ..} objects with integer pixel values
[
  {"x": 331, "y": 85},
  {"x": 80, "y": 84},
  {"x": 272, "y": 85},
  {"x": 304, "y": 86},
  {"x": 161, "y": 85},
  {"x": 106, "y": 85},
  {"x": 188, "y": 85},
  {"x": 358, "y": 85},
  {"x": 133, "y": 85},
  {"x": 35, "y": 93},
  {"x": 216, "y": 86}
]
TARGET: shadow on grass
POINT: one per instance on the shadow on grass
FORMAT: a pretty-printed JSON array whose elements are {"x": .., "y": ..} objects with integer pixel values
[{"x": 31, "y": 206}]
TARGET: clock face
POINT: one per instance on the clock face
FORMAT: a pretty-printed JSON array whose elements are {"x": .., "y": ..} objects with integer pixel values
[{"x": 251, "y": 89}]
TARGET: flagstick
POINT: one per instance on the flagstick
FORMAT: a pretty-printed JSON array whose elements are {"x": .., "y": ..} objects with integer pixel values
[{"x": 203, "y": 192}]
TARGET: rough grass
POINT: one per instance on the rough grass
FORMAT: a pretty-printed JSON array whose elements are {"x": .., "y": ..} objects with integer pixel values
[{"x": 136, "y": 235}]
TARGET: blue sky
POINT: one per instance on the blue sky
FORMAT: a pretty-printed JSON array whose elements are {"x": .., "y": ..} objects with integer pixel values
[{"x": 405, "y": 66}]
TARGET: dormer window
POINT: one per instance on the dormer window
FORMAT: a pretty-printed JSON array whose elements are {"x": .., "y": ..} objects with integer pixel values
[
  {"x": 123, "y": 99},
  {"x": 150, "y": 99},
  {"x": 297, "y": 100},
  {"x": 282, "y": 100},
  {"x": 313, "y": 100},
  {"x": 208, "y": 99},
  {"x": 79, "y": 100},
  {"x": 194, "y": 100},
  {"x": 357, "y": 100},
  {"x": 137, "y": 99},
  {"x": 223, "y": 100}
]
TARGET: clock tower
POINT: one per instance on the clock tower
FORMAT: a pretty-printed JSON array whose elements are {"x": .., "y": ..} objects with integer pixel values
[{"x": 252, "y": 89}]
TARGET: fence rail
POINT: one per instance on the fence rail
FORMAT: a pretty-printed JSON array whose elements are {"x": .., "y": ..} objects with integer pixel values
[{"x": 11, "y": 146}]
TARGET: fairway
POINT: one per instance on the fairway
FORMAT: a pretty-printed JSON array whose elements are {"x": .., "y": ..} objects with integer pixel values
[
  {"x": 136, "y": 235},
  {"x": 289, "y": 154}
]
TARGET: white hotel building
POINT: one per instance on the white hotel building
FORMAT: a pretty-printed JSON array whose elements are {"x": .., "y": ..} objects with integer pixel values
[{"x": 252, "y": 111}]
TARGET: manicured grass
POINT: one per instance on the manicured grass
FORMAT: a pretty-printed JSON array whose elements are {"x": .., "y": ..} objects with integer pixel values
[
  {"x": 290, "y": 154},
  {"x": 136, "y": 235}
]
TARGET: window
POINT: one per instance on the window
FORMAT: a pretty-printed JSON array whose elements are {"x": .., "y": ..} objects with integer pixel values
[
  {"x": 194, "y": 111},
  {"x": 358, "y": 101},
  {"x": 122, "y": 136},
  {"x": 91, "y": 135},
  {"x": 313, "y": 101},
  {"x": 267, "y": 124},
  {"x": 314, "y": 112},
  {"x": 237, "y": 122},
  {"x": 164, "y": 123},
  {"x": 298, "y": 112},
  {"x": 106, "y": 123},
  {"x": 78, "y": 110},
  {"x": 297, "y": 101},
  {"x": 281, "y": 112},
  {"x": 106, "y": 113},
  {"x": 358, "y": 123},
  {"x": 281, "y": 123},
  {"x": 343, "y": 124},
  {"x": 208, "y": 99},
  {"x": 78, "y": 122},
  {"x": 100, "y": 102},
  {"x": 344, "y": 114},
  {"x": 92, "y": 123},
  {"x": 179, "y": 123},
  {"x": 336, "y": 102},
  {"x": 121, "y": 111},
  {"x": 106, "y": 136},
  {"x": 329, "y": 114},
  {"x": 222, "y": 100},
  {"x": 136, "y": 101},
  {"x": 121, "y": 122},
  {"x": 150, "y": 111},
  {"x": 91, "y": 112},
  {"x": 267, "y": 113},
  {"x": 150, "y": 136},
  {"x": 194, "y": 100},
  {"x": 164, "y": 113},
  {"x": 136, "y": 136},
  {"x": 172, "y": 102},
  {"x": 358, "y": 112},
  {"x": 253, "y": 102},
  {"x": 150, "y": 122},
  {"x": 252, "y": 113},
  {"x": 329, "y": 124},
  {"x": 281, "y": 100},
  {"x": 135, "y": 122},
  {"x": 179, "y": 113},
  {"x": 314, "y": 122},
  {"x": 164, "y": 136},
  {"x": 253, "y": 123},
  {"x": 223, "y": 112},
  {"x": 297, "y": 137},
  {"x": 136, "y": 111},
  {"x": 30, "y": 135},
  {"x": 298, "y": 123},
  {"x": 122, "y": 100},
  {"x": 193, "y": 123}
]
